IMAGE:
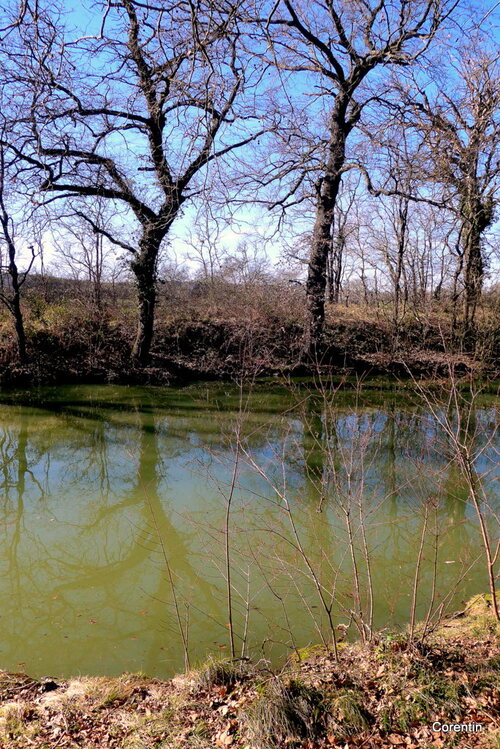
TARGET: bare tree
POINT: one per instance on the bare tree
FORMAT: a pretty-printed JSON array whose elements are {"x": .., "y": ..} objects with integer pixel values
[
  {"x": 462, "y": 137},
  {"x": 132, "y": 114},
  {"x": 338, "y": 46},
  {"x": 392, "y": 238},
  {"x": 341, "y": 230},
  {"x": 10, "y": 292},
  {"x": 85, "y": 252}
]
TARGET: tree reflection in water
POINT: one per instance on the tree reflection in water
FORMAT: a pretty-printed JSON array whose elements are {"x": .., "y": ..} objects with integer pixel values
[{"x": 90, "y": 482}]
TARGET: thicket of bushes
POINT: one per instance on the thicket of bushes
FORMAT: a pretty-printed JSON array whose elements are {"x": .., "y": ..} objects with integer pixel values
[{"x": 223, "y": 329}]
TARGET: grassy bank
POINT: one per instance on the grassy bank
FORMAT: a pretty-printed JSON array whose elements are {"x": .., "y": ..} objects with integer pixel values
[
  {"x": 386, "y": 694},
  {"x": 225, "y": 330}
]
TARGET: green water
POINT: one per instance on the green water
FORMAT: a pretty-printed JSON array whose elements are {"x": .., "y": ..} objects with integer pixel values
[{"x": 113, "y": 509}]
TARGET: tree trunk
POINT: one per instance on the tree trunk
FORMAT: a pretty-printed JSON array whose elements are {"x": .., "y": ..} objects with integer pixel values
[
  {"x": 477, "y": 216},
  {"x": 402, "y": 241},
  {"x": 19, "y": 325},
  {"x": 15, "y": 304},
  {"x": 335, "y": 260},
  {"x": 473, "y": 280},
  {"x": 322, "y": 239},
  {"x": 473, "y": 271},
  {"x": 316, "y": 277},
  {"x": 144, "y": 268}
]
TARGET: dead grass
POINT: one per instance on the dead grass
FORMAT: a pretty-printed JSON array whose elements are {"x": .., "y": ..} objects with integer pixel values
[
  {"x": 202, "y": 330},
  {"x": 222, "y": 673},
  {"x": 287, "y": 713}
]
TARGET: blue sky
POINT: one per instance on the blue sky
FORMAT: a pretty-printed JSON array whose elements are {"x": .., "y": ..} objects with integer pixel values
[{"x": 253, "y": 223}]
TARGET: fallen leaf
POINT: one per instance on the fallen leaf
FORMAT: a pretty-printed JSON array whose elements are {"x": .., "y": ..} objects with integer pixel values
[
  {"x": 224, "y": 739},
  {"x": 395, "y": 740}
]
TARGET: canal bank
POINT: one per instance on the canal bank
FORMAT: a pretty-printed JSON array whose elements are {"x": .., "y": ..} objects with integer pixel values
[{"x": 386, "y": 693}]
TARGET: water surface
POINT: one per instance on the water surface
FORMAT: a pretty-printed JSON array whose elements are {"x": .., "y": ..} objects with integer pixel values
[{"x": 113, "y": 513}]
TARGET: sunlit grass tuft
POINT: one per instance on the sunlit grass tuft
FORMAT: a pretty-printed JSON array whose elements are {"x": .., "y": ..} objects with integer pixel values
[
  {"x": 222, "y": 673},
  {"x": 286, "y": 712}
]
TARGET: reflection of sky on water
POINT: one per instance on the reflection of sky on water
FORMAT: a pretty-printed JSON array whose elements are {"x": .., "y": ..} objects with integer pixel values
[{"x": 91, "y": 480}]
